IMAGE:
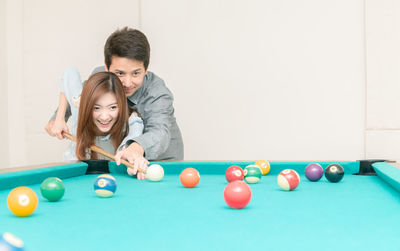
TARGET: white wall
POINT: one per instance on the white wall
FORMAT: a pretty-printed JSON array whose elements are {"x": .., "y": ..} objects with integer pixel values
[
  {"x": 45, "y": 37},
  {"x": 383, "y": 67},
  {"x": 256, "y": 79},
  {"x": 4, "y": 153},
  {"x": 263, "y": 79}
]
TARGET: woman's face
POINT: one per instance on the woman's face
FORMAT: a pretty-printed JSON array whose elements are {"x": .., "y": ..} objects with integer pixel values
[{"x": 105, "y": 112}]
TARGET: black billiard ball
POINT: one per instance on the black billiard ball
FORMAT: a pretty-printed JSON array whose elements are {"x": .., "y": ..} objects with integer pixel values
[{"x": 334, "y": 173}]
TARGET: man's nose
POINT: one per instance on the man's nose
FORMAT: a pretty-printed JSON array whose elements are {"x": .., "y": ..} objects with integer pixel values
[{"x": 127, "y": 81}]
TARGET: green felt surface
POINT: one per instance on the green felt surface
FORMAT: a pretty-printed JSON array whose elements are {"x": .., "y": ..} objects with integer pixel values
[
  {"x": 358, "y": 213},
  {"x": 34, "y": 176},
  {"x": 219, "y": 167},
  {"x": 388, "y": 173}
]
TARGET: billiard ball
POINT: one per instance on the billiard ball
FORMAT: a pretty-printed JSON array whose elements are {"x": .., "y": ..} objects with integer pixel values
[
  {"x": 314, "y": 171},
  {"x": 22, "y": 201},
  {"x": 189, "y": 177},
  {"x": 52, "y": 189},
  {"x": 234, "y": 173},
  {"x": 237, "y": 194},
  {"x": 252, "y": 174},
  {"x": 288, "y": 179},
  {"x": 155, "y": 172},
  {"x": 264, "y": 165},
  {"x": 334, "y": 173},
  {"x": 9, "y": 242},
  {"x": 105, "y": 185}
]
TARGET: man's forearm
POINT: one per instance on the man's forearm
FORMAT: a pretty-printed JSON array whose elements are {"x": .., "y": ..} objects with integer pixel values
[
  {"x": 67, "y": 113},
  {"x": 62, "y": 107}
]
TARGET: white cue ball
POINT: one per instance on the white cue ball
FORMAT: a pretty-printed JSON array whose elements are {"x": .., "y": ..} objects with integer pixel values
[{"x": 155, "y": 172}]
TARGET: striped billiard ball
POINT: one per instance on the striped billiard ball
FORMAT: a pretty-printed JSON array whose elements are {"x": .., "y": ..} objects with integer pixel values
[
  {"x": 105, "y": 185},
  {"x": 288, "y": 179},
  {"x": 9, "y": 242},
  {"x": 252, "y": 174}
]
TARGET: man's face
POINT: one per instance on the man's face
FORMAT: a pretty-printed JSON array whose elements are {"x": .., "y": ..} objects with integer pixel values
[{"x": 131, "y": 73}]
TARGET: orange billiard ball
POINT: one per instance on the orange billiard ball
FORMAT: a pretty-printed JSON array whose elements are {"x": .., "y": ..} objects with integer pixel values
[
  {"x": 189, "y": 177},
  {"x": 22, "y": 201}
]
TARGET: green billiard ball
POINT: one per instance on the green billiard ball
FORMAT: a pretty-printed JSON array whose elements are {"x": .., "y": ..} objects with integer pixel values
[
  {"x": 252, "y": 174},
  {"x": 52, "y": 189}
]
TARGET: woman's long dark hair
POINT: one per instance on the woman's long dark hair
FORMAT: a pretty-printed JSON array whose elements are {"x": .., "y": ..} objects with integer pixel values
[{"x": 97, "y": 85}]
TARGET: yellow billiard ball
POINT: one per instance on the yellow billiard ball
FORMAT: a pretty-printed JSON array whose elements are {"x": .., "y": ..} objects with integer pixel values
[
  {"x": 22, "y": 201},
  {"x": 264, "y": 165}
]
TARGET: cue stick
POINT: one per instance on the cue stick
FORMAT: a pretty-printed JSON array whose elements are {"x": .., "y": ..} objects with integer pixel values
[{"x": 102, "y": 152}]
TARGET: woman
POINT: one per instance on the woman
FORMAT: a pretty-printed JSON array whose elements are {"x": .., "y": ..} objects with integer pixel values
[{"x": 100, "y": 115}]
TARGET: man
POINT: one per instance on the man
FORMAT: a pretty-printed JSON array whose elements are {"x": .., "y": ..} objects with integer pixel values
[{"x": 127, "y": 54}]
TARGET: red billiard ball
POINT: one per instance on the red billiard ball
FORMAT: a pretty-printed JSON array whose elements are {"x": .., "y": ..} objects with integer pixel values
[
  {"x": 234, "y": 173},
  {"x": 288, "y": 179},
  {"x": 189, "y": 177},
  {"x": 237, "y": 194}
]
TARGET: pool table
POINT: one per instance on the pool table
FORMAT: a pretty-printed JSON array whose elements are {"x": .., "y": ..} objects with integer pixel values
[{"x": 361, "y": 212}]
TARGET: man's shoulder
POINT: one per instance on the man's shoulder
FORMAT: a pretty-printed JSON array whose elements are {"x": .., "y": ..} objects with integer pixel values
[
  {"x": 153, "y": 79},
  {"x": 155, "y": 84},
  {"x": 98, "y": 69}
]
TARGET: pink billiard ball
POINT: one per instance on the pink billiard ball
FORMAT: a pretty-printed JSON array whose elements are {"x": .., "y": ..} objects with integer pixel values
[
  {"x": 237, "y": 194},
  {"x": 288, "y": 179},
  {"x": 234, "y": 173}
]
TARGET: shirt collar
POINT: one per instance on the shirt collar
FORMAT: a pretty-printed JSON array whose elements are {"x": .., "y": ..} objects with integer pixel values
[{"x": 104, "y": 138}]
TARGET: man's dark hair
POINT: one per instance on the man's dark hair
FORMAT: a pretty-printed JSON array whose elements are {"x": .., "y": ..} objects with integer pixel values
[{"x": 127, "y": 43}]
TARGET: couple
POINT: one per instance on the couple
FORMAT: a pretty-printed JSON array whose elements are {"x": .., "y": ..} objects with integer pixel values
[{"x": 126, "y": 109}]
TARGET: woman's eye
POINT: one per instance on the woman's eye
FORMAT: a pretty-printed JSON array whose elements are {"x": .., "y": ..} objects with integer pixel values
[
  {"x": 96, "y": 108},
  {"x": 114, "y": 107}
]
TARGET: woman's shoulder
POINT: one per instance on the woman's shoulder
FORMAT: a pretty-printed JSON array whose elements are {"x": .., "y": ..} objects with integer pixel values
[{"x": 135, "y": 118}]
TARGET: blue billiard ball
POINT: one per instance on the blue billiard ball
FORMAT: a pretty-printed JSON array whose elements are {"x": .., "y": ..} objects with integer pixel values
[
  {"x": 105, "y": 185},
  {"x": 9, "y": 242}
]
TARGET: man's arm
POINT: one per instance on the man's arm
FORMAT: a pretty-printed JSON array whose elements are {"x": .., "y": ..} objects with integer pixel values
[
  {"x": 57, "y": 123},
  {"x": 157, "y": 112},
  {"x": 158, "y": 115}
]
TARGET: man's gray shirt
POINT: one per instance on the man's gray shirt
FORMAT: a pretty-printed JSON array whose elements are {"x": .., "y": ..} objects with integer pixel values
[{"x": 161, "y": 138}]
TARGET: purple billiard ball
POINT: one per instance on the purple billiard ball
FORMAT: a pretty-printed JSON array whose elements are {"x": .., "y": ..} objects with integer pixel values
[{"x": 314, "y": 172}]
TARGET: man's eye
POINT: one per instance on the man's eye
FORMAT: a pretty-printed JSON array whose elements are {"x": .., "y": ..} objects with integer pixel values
[{"x": 119, "y": 73}]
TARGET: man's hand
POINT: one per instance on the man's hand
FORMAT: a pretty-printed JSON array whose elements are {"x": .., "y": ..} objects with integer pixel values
[
  {"x": 134, "y": 155},
  {"x": 55, "y": 128},
  {"x": 140, "y": 175}
]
